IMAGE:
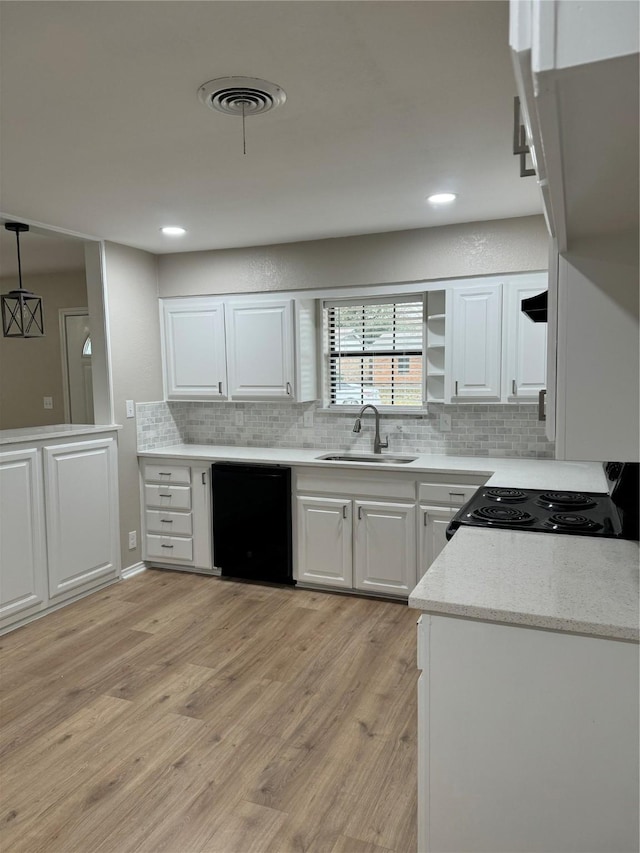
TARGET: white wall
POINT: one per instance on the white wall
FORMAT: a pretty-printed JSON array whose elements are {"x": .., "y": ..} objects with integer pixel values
[
  {"x": 136, "y": 369},
  {"x": 451, "y": 251}
]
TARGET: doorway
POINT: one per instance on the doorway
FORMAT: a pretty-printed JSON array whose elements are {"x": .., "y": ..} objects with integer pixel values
[{"x": 77, "y": 378}]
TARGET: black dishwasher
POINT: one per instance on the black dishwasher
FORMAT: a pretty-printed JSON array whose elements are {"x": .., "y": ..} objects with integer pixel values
[{"x": 252, "y": 522}]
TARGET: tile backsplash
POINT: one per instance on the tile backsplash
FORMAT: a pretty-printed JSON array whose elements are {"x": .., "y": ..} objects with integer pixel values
[{"x": 476, "y": 429}]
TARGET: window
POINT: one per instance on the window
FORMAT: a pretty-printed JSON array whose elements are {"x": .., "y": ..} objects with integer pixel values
[{"x": 374, "y": 351}]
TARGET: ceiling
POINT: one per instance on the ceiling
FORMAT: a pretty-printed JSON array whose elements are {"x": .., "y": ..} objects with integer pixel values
[{"x": 102, "y": 132}]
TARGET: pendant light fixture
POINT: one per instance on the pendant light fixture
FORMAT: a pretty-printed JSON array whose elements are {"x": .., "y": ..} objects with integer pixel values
[{"x": 21, "y": 310}]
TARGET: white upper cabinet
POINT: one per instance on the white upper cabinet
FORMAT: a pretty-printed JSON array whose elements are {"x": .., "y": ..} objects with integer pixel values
[
  {"x": 260, "y": 350},
  {"x": 476, "y": 342},
  {"x": 194, "y": 351},
  {"x": 576, "y": 70},
  {"x": 524, "y": 372},
  {"x": 240, "y": 349}
]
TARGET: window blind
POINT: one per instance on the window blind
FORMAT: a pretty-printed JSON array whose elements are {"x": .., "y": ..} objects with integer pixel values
[{"x": 375, "y": 351}]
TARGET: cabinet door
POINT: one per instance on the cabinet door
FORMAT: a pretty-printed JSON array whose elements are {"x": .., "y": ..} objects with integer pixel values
[
  {"x": 476, "y": 342},
  {"x": 194, "y": 353},
  {"x": 202, "y": 527},
  {"x": 385, "y": 547},
  {"x": 325, "y": 551},
  {"x": 434, "y": 521},
  {"x": 260, "y": 350},
  {"x": 525, "y": 362},
  {"x": 23, "y": 568},
  {"x": 81, "y": 509}
]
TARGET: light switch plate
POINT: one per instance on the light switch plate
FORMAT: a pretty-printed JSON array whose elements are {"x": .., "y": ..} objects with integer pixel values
[
  {"x": 239, "y": 417},
  {"x": 131, "y": 412},
  {"x": 445, "y": 423},
  {"x": 307, "y": 418},
  {"x": 48, "y": 402}
]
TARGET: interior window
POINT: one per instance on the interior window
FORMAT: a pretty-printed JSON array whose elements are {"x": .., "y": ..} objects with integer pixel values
[{"x": 374, "y": 352}]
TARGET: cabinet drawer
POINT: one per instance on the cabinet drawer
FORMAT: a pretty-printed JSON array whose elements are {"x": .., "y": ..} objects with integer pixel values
[
  {"x": 165, "y": 497},
  {"x": 446, "y": 493},
  {"x": 169, "y": 523},
  {"x": 169, "y": 548},
  {"x": 180, "y": 474}
]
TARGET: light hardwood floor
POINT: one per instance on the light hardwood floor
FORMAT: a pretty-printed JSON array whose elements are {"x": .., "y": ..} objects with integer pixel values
[{"x": 180, "y": 713}]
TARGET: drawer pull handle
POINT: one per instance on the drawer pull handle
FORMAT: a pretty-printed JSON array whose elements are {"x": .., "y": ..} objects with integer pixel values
[
  {"x": 164, "y": 496},
  {"x": 166, "y": 520},
  {"x": 542, "y": 416},
  {"x": 514, "y": 388},
  {"x": 456, "y": 393},
  {"x": 219, "y": 387},
  {"x": 360, "y": 513},
  {"x": 289, "y": 388},
  {"x": 425, "y": 519},
  {"x": 204, "y": 479},
  {"x": 164, "y": 473},
  {"x": 456, "y": 494},
  {"x": 344, "y": 511},
  {"x": 166, "y": 546}
]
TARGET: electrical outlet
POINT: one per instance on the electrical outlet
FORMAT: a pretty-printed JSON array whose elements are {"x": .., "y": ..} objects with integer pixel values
[
  {"x": 133, "y": 539},
  {"x": 445, "y": 423},
  {"x": 239, "y": 417},
  {"x": 48, "y": 402},
  {"x": 131, "y": 412},
  {"x": 307, "y": 418}
]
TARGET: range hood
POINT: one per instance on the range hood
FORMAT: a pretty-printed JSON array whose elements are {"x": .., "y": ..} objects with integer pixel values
[{"x": 535, "y": 307}]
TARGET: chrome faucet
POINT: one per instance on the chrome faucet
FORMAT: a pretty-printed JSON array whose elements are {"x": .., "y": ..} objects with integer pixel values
[{"x": 378, "y": 444}]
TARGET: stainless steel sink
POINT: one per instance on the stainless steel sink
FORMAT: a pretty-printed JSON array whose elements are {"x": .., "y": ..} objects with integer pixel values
[{"x": 379, "y": 458}]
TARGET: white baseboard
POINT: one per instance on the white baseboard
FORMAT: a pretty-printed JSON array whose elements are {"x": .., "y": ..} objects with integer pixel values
[{"x": 133, "y": 570}]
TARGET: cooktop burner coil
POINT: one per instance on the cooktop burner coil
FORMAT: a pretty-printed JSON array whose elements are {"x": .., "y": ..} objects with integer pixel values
[
  {"x": 565, "y": 500},
  {"x": 571, "y": 522},
  {"x": 502, "y": 515},
  {"x": 505, "y": 495}
]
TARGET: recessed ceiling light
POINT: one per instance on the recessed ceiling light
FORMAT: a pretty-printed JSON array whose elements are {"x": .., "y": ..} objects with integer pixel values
[
  {"x": 173, "y": 230},
  {"x": 441, "y": 198}
]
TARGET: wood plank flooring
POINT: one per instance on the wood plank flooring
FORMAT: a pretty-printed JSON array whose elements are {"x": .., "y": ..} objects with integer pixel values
[{"x": 180, "y": 713}]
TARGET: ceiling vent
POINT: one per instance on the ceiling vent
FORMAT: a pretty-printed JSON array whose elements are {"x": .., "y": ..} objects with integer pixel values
[{"x": 241, "y": 96}]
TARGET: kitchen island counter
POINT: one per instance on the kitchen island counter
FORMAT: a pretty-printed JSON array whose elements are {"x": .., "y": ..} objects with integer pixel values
[
  {"x": 51, "y": 431},
  {"x": 564, "y": 583}
]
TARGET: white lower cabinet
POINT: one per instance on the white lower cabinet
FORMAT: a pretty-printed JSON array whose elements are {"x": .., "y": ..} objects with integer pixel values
[
  {"x": 177, "y": 515},
  {"x": 59, "y": 523},
  {"x": 81, "y": 511},
  {"x": 23, "y": 579},
  {"x": 527, "y": 739},
  {"x": 325, "y": 552},
  {"x": 385, "y": 547},
  {"x": 434, "y": 521}
]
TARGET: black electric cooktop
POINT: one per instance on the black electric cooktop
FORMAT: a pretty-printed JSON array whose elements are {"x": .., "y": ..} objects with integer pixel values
[{"x": 583, "y": 513}]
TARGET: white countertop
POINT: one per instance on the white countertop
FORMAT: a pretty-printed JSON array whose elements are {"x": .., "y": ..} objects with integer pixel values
[
  {"x": 516, "y": 473},
  {"x": 565, "y": 583},
  {"x": 43, "y": 433}
]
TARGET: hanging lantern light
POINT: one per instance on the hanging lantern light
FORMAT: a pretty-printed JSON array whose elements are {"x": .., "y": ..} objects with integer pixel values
[{"x": 21, "y": 310}]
